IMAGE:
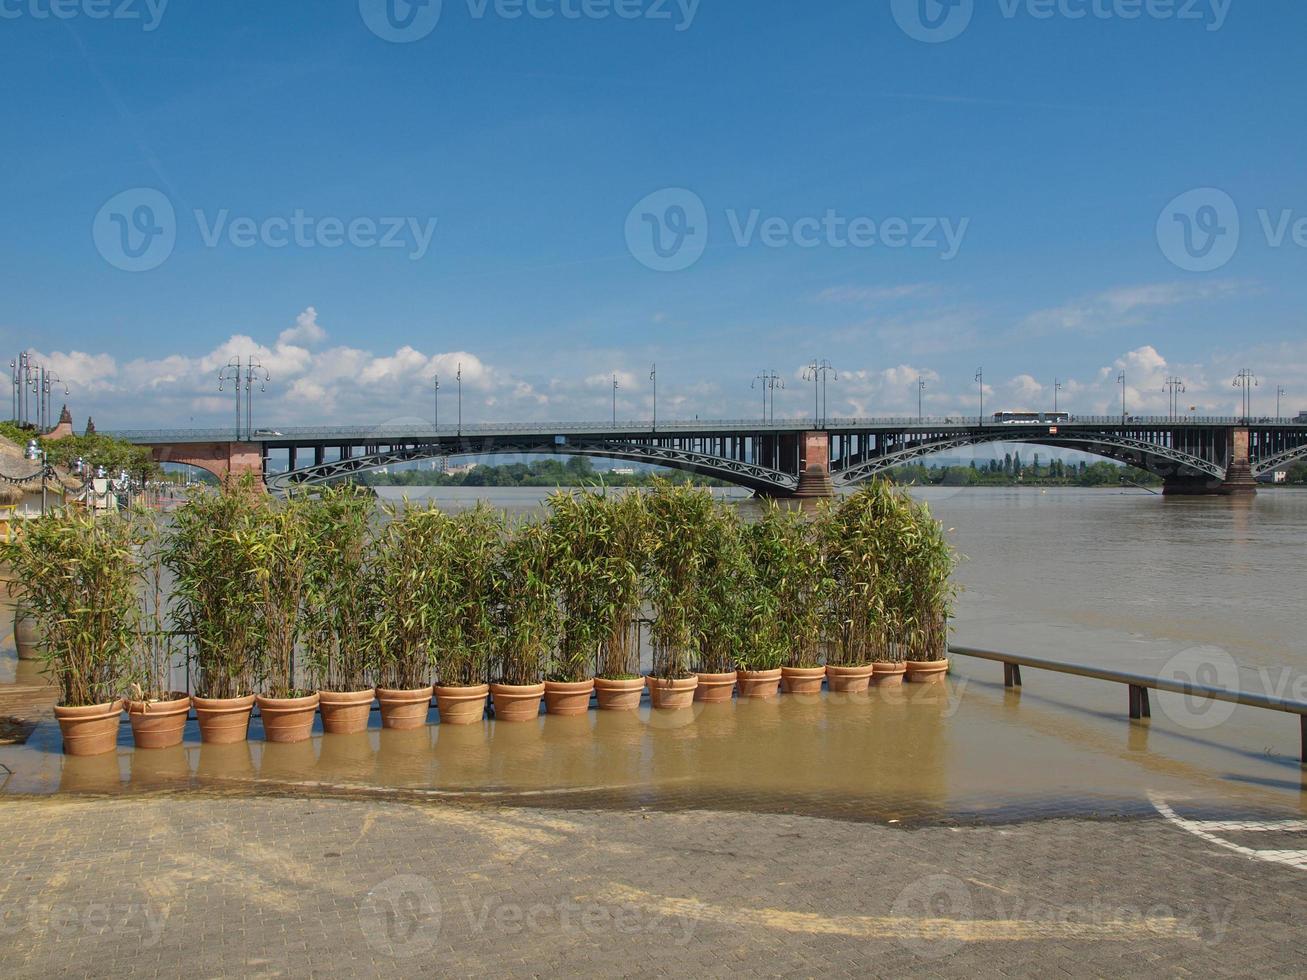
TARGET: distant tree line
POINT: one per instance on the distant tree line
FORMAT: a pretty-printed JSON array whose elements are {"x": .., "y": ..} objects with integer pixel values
[
  {"x": 1012, "y": 470},
  {"x": 576, "y": 471}
]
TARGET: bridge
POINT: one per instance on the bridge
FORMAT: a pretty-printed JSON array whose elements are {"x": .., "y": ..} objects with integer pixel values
[{"x": 781, "y": 458}]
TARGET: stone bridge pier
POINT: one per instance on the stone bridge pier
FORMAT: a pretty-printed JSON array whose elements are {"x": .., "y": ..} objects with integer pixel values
[{"x": 1238, "y": 482}]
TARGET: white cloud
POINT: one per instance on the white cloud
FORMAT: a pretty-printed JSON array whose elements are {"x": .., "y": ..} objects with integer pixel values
[
  {"x": 306, "y": 330},
  {"x": 1119, "y": 307}
]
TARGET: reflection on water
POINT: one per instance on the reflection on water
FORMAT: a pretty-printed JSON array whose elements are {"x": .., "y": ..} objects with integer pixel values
[{"x": 1124, "y": 580}]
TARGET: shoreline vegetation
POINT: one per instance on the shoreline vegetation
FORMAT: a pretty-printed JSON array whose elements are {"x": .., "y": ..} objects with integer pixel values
[{"x": 1012, "y": 471}]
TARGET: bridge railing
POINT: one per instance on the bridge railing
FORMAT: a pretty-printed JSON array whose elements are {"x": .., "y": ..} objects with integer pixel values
[
  {"x": 421, "y": 430},
  {"x": 1139, "y": 685}
]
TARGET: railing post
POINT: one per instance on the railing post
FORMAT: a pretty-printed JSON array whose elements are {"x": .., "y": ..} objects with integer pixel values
[
  {"x": 1302, "y": 752},
  {"x": 1139, "y": 706},
  {"x": 1011, "y": 675}
]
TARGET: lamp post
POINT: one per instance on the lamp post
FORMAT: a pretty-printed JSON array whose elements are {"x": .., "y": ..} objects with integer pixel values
[
  {"x": 980, "y": 381},
  {"x": 1280, "y": 392},
  {"x": 921, "y": 392},
  {"x": 252, "y": 369},
  {"x": 653, "y": 376},
  {"x": 1120, "y": 379},
  {"x": 819, "y": 373},
  {"x": 232, "y": 373},
  {"x": 767, "y": 381},
  {"x": 1057, "y": 388},
  {"x": 1247, "y": 380},
  {"x": 1174, "y": 387},
  {"x": 614, "y": 399},
  {"x": 459, "y": 378},
  {"x": 435, "y": 390}
]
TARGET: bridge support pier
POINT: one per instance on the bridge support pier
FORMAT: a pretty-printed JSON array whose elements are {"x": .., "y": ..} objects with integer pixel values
[
  {"x": 814, "y": 467},
  {"x": 222, "y": 459},
  {"x": 1238, "y": 482}
]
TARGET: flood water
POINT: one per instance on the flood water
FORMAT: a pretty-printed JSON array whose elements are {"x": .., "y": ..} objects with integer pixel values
[{"x": 1120, "y": 579}]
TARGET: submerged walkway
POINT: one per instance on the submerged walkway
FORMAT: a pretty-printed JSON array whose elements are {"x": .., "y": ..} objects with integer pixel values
[{"x": 214, "y": 885}]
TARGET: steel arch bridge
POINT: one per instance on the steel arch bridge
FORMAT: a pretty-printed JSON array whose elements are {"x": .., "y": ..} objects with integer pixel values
[{"x": 781, "y": 458}]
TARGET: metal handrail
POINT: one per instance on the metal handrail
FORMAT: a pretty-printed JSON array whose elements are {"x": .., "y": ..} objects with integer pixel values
[
  {"x": 1139, "y": 685},
  {"x": 419, "y": 429}
]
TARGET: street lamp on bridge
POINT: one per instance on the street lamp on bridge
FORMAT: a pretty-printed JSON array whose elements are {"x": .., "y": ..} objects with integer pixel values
[
  {"x": 768, "y": 381},
  {"x": 1174, "y": 387},
  {"x": 1247, "y": 380},
  {"x": 653, "y": 376},
  {"x": 1057, "y": 387},
  {"x": 1280, "y": 392},
  {"x": 980, "y": 380},
  {"x": 1120, "y": 379},
  {"x": 435, "y": 389},
  {"x": 820, "y": 373},
  {"x": 615, "y": 386},
  {"x": 921, "y": 391}
]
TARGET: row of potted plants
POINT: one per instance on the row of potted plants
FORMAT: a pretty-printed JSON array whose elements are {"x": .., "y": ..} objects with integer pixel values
[{"x": 322, "y": 605}]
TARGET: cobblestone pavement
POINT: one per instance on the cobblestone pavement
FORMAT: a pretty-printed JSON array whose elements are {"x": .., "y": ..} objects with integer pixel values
[{"x": 210, "y": 885}]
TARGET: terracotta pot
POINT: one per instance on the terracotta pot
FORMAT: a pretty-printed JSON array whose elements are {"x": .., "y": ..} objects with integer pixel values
[
  {"x": 288, "y": 720},
  {"x": 159, "y": 724},
  {"x": 888, "y": 675},
  {"x": 760, "y": 683},
  {"x": 567, "y": 697},
  {"x": 223, "y": 721},
  {"x": 926, "y": 671},
  {"x": 715, "y": 688},
  {"x": 90, "y": 730},
  {"x": 345, "y": 712},
  {"x": 672, "y": 694},
  {"x": 27, "y": 638},
  {"x": 517, "y": 702},
  {"x": 619, "y": 695},
  {"x": 802, "y": 680},
  {"x": 462, "y": 705},
  {"x": 848, "y": 680},
  {"x": 404, "y": 710}
]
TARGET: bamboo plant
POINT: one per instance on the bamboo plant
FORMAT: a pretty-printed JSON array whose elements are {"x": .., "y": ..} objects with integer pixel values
[
  {"x": 599, "y": 541},
  {"x": 857, "y": 536},
  {"x": 923, "y": 592},
  {"x": 725, "y": 620},
  {"x": 791, "y": 585},
  {"x": 404, "y": 556},
  {"x": 279, "y": 547},
  {"x": 529, "y": 615},
  {"x": 216, "y": 593},
  {"x": 154, "y": 642},
  {"x": 678, "y": 520},
  {"x": 340, "y": 594},
  {"x": 463, "y": 590},
  {"x": 79, "y": 578}
]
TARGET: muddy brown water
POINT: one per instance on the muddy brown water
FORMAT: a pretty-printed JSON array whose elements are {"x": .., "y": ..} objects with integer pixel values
[{"x": 1125, "y": 580}]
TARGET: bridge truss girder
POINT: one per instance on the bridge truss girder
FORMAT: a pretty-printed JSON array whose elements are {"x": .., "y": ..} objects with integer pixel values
[
  {"x": 1153, "y": 457},
  {"x": 752, "y": 476}
]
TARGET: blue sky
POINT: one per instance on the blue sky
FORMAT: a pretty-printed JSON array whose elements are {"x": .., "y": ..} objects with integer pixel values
[{"x": 1054, "y": 148}]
